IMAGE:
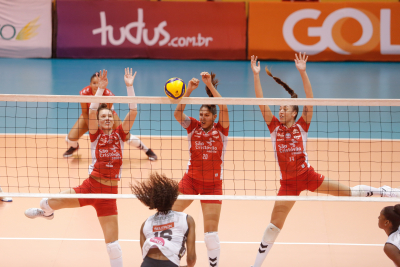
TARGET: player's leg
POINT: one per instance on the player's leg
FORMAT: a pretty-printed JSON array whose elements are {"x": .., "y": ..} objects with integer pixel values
[
  {"x": 109, "y": 224},
  {"x": 134, "y": 141},
  {"x": 181, "y": 204},
  {"x": 49, "y": 205},
  {"x": 278, "y": 218},
  {"x": 211, "y": 215},
  {"x": 5, "y": 199},
  {"x": 335, "y": 188},
  {"x": 80, "y": 128}
]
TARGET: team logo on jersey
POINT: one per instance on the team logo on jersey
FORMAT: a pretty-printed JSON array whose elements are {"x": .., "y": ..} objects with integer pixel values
[
  {"x": 103, "y": 150},
  {"x": 297, "y": 137},
  {"x": 279, "y": 134},
  {"x": 158, "y": 240},
  {"x": 288, "y": 135},
  {"x": 214, "y": 132},
  {"x": 158, "y": 228},
  {"x": 295, "y": 131}
]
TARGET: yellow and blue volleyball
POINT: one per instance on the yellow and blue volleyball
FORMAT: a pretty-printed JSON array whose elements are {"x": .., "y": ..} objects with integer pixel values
[{"x": 175, "y": 88}]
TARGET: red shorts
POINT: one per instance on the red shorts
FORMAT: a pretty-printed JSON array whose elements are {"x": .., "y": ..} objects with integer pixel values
[
  {"x": 309, "y": 180},
  {"x": 190, "y": 186},
  {"x": 103, "y": 207}
]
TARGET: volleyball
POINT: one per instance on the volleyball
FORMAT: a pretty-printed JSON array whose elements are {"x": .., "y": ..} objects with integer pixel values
[{"x": 175, "y": 88}]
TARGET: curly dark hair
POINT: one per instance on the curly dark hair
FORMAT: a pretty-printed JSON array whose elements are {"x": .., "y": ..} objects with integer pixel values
[
  {"x": 159, "y": 192},
  {"x": 214, "y": 81},
  {"x": 287, "y": 88}
]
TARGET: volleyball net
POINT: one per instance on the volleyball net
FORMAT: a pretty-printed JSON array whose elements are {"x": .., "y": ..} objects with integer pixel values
[{"x": 353, "y": 141}]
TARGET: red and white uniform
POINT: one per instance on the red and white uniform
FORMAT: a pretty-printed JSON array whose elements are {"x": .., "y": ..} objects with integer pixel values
[
  {"x": 290, "y": 147},
  {"x": 207, "y": 150},
  {"x": 106, "y": 153},
  {"x": 88, "y": 91}
]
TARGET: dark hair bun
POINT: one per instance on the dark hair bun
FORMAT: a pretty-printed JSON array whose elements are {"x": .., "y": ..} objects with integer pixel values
[{"x": 396, "y": 209}]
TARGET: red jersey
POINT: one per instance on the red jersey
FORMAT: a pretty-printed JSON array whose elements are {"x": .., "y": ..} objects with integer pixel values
[
  {"x": 88, "y": 91},
  {"x": 206, "y": 150},
  {"x": 106, "y": 153},
  {"x": 290, "y": 147}
]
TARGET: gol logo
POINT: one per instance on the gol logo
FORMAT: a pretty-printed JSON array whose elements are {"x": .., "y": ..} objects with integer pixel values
[
  {"x": 8, "y": 31},
  {"x": 330, "y": 35}
]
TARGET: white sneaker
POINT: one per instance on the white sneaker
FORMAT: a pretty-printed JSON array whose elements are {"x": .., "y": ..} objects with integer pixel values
[
  {"x": 387, "y": 191},
  {"x": 6, "y": 199},
  {"x": 34, "y": 213}
]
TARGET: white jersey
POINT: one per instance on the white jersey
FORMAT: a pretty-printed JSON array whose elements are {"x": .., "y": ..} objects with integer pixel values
[
  {"x": 394, "y": 239},
  {"x": 168, "y": 233}
]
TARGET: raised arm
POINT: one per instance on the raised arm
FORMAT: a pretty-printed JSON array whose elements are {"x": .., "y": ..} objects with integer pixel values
[
  {"x": 178, "y": 114},
  {"x": 301, "y": 61},
  {"x": 223, "y": 109},
  {"x": 265, "y": 110},
  {"x": 131, "y": 116},
  {"x": 103, "y": 82},
  {"x": 191, "y": 245}
]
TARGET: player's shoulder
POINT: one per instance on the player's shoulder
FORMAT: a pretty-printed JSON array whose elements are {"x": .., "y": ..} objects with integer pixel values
[
  {"x": 86, "y": 91},
  {"x": 107, "y": 92}
]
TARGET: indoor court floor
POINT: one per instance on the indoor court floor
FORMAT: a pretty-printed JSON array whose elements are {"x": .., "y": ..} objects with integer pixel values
[{"x": 324, "y": 234}]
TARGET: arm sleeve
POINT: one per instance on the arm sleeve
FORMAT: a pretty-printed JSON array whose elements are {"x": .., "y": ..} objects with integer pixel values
[
  {"x": 224, "y": 131},
  {"x": 303, "y": 124},
  {"x": 191, "y": 124},
  {"x": 93, "y": 137},
  {"x": 274, "y": 123},
  {"x": 121, "y": 132}
]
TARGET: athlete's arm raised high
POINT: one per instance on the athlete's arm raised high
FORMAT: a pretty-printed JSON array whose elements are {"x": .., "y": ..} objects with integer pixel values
[
  {"x": 223, "y": 109},
  {"x": 178, "y": 114},
  {"x": 265, "y": 110},
  {"x": 103, "y": 82},
  {"x": 131, "y": 116},
  {"x": 301, "y": 61}
]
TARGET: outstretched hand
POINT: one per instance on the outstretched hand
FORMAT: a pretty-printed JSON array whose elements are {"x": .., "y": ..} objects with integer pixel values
[
  {"x": 206, "y": 78},
  {"x": 193, "y": 84},
  {"x": 301, "y": 61},
  {"x": 103, "y": 80},
  {"x": 254, "y": 67},
  {"x": 128, "y": 77}
]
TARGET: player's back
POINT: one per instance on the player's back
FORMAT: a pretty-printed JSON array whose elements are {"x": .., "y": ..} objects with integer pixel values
[{"x": 167, "y": 232}]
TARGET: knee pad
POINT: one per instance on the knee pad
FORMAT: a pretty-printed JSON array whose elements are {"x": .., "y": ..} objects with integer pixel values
[
  {"x": 114, "y": 250},
  {"x": 134, "y": 141},
  {"x": 271, "y": 233},
  {"x": 212, "y": 240}
]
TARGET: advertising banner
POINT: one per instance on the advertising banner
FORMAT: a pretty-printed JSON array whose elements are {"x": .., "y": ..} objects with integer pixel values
[
  {"x": 141, "y": 29},
  {"x": 327, "y": 31},
  {"x": 25, "y": 28}
]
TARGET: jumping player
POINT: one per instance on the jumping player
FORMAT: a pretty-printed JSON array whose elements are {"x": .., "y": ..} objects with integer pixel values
[
  {"x": 389, "y": 221},
  {"x": 163, "y": 236},
  {"x": 207, "y": 145},
  {"x": 289, "y": 140},
  {"x": 104, "y": 172},
  {"x": 81, "y": 125}
]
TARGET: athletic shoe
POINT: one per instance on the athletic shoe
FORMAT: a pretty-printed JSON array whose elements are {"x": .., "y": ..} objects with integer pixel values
[
  {"x": 151, "y": 154},
  {"x": 357, "y": 191},
  {"x": 6, "y": 199},
  {"x": 34, "y": 213},
  {"x": 70, "y": 151},
  {"x": 387, "y": 191}
]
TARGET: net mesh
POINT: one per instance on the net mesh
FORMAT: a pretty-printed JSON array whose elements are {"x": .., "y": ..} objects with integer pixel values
[{"x": 350, "y": 141}]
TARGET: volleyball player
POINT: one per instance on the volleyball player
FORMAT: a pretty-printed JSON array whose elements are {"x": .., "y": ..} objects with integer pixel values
[
  {"x": 289, "y": 141},
  {"x": 5, "y": 199},
  {"x": 81, "y": 125},
  {"x": 207, "y": 146},
  {"x": 389, "y": 221},
  {"x": 163, "y": 236},
  {"x": 104, "y": 172}
]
